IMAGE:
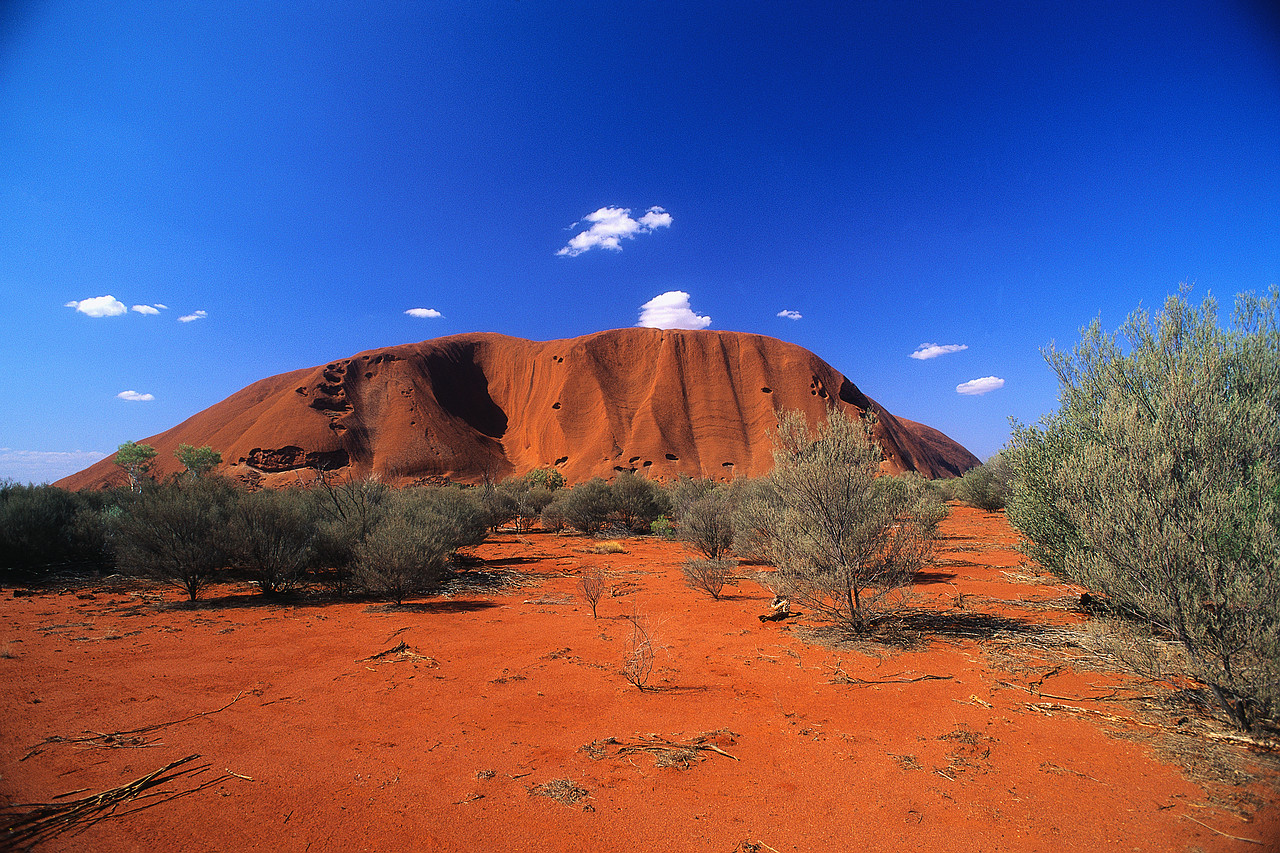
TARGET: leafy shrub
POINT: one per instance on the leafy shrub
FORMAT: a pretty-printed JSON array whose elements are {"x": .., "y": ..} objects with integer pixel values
[
  {"x": 1157, "y": 484},
  {"x": 842, "y": 537},
  {"x": 637, "y": 501},
  {"x": 585, "y": 507},
  {"x": 44, "y": 526},
  {"x": 985, "y": 487},
  {"x": 198, "y": 460},
  {"x": 662, "y": 527},
  {"x": 274, "y": 533},
  {"x": 177, "y": 532},
  {"x": 346, "y": 514},
  {"x": 545, "y": 478},
  {"x": 706, "y": 525}
]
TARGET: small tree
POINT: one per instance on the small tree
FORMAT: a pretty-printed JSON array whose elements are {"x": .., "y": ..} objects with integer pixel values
[
  {"x": 1157, "y": 485},
  {"x": 198, "y": 460},
  {"x": 545, "y": 478},
  {"x": 136, "y": 460},
  {"x": 842, "y": 536},
  {"x": 585, "y": 507}
]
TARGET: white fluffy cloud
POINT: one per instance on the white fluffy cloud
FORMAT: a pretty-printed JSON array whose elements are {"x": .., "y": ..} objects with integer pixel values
[
  {"x": 981, "y": 386},
  {"x": 610, "y": 225},
  {"x": 423, "y": 312},
  {"x": 146, "y": 309},
  {"x": 99, "y": 306},
  {"x": 789, "y": 314},
  {"x": 934, "y": 350},
  {"x": 671, "y": 311},
  {"x": 44, "y": 466},
  {"x": 194, "y": 315},
  {"x": 135, "y": 397}
]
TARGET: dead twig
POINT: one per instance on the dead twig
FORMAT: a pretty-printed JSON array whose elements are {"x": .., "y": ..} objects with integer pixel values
[
  {"x": 1220, "y": 832},
  {"x": 842, "y": 677},
  {"x": 665, "y": 752},
  {"x": 402, "y": 650}
]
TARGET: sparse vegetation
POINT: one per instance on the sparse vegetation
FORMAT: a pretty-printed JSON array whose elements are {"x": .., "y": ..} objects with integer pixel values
[
  {"x": 1157, "y": 486},
  {"x": 985, "y": 487},
  {"x": 274, "y": 534},
  {"x": 639, "y": 663},
  {"x": 198, "y": 461},
  {"x": 136, "y": 460},
  {"x": 592, "y": 587},
  {"x": 710, "y": 576},
  {"x": 706, "y": 524}
]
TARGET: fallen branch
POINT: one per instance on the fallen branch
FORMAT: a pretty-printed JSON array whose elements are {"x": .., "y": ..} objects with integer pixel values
[
  {"x": 842, "y": 677},
  {"x": 127, "y": 739},
  {"x": 403, "y": 650},
  {"x": 666, "y": 753},
  {"x": 1220, "y": 832},
  {"x": 32, "y": 823}
]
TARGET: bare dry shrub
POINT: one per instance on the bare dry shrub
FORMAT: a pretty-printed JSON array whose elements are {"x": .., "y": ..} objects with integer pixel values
[
  {"x": 592, "y": 587},
  {"x": 710, "y": 576},
  {"x": 639, "y": 664},
  {"x": 563, "y": 791}
]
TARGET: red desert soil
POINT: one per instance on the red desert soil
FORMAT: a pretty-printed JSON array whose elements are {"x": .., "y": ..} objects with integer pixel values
[
  {"x": 443, "y": 746},
  {"x": 482, "y": 405}
]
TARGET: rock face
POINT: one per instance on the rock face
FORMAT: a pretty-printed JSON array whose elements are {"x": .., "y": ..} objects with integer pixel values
[{"x": 464, "y": 407}]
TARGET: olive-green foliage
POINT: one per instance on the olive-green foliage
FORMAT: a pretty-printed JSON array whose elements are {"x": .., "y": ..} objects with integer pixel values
[
  {"x": 409, "y": 549},
  {"x": 176, "y": 532},
  {"x": 518, "y": 499},
  {"x": 985, "y": 487},
  {"x": 545, "y": 478},
  {"x": 948, "y": 488},
  {"x": 706, "y": 525},
  {"x": 585, "y": 507},
  {"x": 637, "y": 501},
  {"x": 499, "y": 502},
  {"x": 684, "y": 491},
  {"x": 198, "y": 460},
  {"x": 843, "y": 537},
  {"x": 346, "y": 514},
  {"x": 42, "y": 527},
  {"x": 274, "y": 534},
  {"x": 752, "y": 500},
  {"x": 1157, "y": 484},
  {"x": 662, "y": 527},
  {"x": 136, "y": 460}
]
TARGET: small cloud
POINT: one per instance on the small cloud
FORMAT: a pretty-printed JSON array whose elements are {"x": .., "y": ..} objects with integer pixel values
[
  {"x": 98, "y": 306},
  {"x": 146, "y": 309},
  {"x": 671, "y": 311},
  {"x": 162, "y": 307},
  {"x": 977, "y": 387},
  {"x": 135, "y": 397},
  {"x": 789, "y": 314},
  {"x": 194, "y": 315},
  {"x": 925, "y": 351},
  {"x": 423, "y": 312},
  {"x": 610, "y": 225}
]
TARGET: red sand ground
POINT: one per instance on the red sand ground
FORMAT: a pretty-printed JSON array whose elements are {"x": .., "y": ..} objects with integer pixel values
[
  {"x": 393, "y": 753},
  {"x": 476, "y": 406}
]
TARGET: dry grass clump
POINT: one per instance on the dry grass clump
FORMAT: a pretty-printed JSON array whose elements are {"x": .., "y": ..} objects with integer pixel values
[
  {"x": 563, "y": 791},
  {"x": 609, "y": 546}
]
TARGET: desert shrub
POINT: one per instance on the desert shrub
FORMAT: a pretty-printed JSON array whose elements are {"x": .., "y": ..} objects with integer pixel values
[
  {"x": 710, "y": 576},
  {"x": 947, "y": 487},
  {"x": 545, "y": 478},
  {"x": 177, "y": 532},
  {"x": 521, "y": 501},
  {"x": 706, "y": 525},
  {"x": 985, "y": 487},
  {"x": 662, "y": 527},
  {"x": 684, "y": 491},
  {"x": 1157, "y": 485},
  {"x": 637, "y": 501},
  {"x": 843, "y": 537},
  {"x": 499, "y": 502},
  {"x": 346, "y": 514},
  {"x": 753, "y": 502},
  {"x": 638, "y": 665},
  {"x": 273, "y": 533},
  {"x": 43, "y": 526},
  {"x": 586, "y": 506},
  {"x": 409, "y": 549},
  {"x": 592, "y": 587}
]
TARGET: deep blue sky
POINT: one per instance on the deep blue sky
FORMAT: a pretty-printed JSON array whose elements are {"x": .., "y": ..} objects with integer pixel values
[{"x": 993, "y": 176}]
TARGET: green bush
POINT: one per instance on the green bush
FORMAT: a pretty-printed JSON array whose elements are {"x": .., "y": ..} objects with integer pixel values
[
  {"x": 1157, "y": 485},
  {"x": 637, "y": 501},
  {"x": 585, "y": 507},
  {"x": 42, "y": 527},
  {"x": 176, "y": 532},
  {"x": 843, "y": 537},
  {"x": 985, "y": 487},
  {"x": 706, "y": 525},
  {"x": 274, "y": 534}
]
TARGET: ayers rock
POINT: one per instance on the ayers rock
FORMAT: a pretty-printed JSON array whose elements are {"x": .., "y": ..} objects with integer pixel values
[{"x": 660, "y": 402}]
